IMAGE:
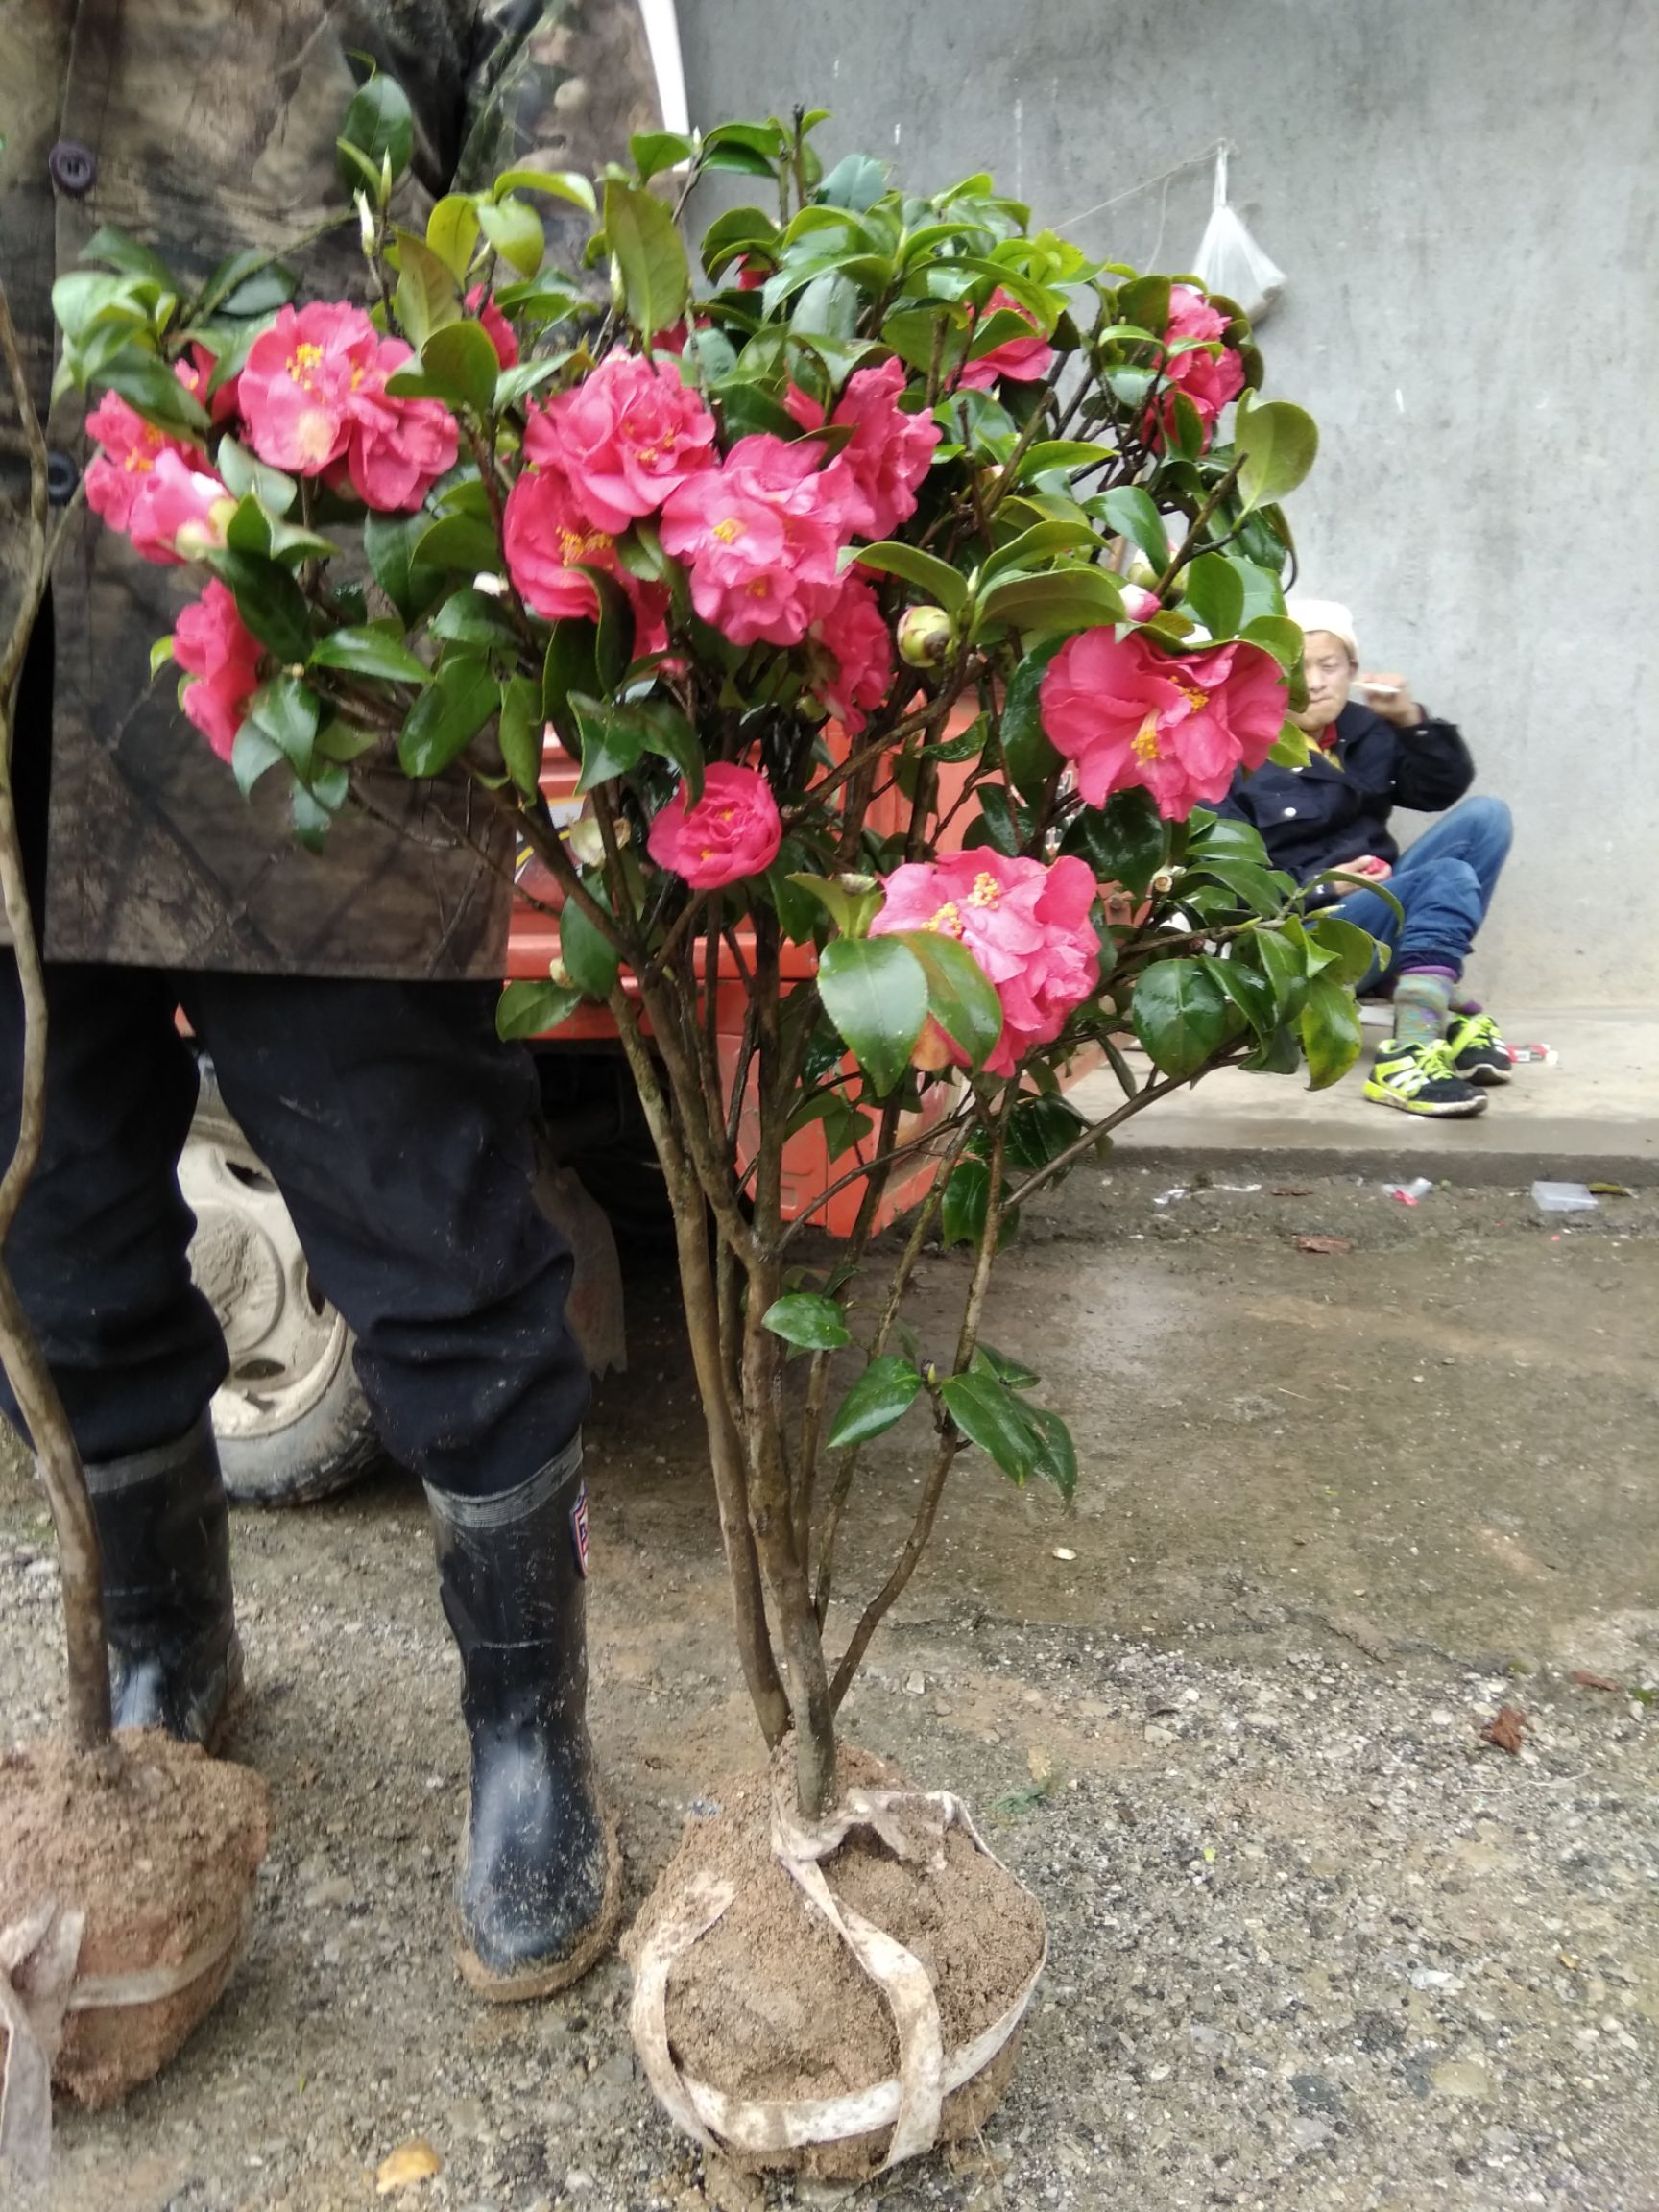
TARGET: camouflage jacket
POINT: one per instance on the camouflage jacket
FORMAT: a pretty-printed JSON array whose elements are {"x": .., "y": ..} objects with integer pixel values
[{"x": 202, "y": 130}]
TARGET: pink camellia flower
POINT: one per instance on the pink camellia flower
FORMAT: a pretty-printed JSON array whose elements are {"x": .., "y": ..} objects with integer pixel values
[
  {"x": 298, "y": 381},
  {"x": 494, "y": 324},
  {"x": 732, "y": 831},
  {"x": 1210, "y": 379},
  {"x": 627, "y": 436},
  {"x": 549, "y": 539},
  {"x": 888, "y": 453},
  {"x": 129, "y": 449},
  {"x": 763, "y": 534},
  {"x": 1123, "y": 713},
  {"x": 313, "y": 395},
  {"x": 1024, "y": 359},
  {"x": 211, "y": 646},
  {"x": 180, "y": 512},
  {"x": 852, "y": 629},
  {"x": 1026, "y": 924},
  {"x": 1139, "y": 605},
  {"x": 397, "y": 449},
  {"x": 197, "y": 373}
]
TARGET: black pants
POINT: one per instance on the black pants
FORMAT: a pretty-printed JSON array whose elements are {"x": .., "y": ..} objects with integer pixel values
[{"x": 398, "y": 1129}]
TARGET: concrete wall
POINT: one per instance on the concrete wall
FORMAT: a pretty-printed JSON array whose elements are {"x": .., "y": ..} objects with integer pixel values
[{"x": 1463, "y": 194}]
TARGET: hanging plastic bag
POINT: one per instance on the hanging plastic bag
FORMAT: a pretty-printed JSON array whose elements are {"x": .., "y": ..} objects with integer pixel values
[{"x": 1229, "y": 260}]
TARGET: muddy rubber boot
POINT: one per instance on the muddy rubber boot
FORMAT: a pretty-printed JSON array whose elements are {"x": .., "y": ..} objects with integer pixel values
[
  {"x": 539, "y": 1889},
  {"x": 164, "y": 1528}
]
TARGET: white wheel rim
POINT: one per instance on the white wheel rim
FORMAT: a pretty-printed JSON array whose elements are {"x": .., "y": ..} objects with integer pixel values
[{"x": 287, "y": 1343}]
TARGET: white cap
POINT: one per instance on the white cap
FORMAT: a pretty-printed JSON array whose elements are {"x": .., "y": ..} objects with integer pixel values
[{"x": 1328, "y": 615}]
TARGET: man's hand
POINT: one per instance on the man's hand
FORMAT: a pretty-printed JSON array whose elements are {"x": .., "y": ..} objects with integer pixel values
[
  {"x": 1390, "y": 697},
  {"x": 1369, "y": 864}
]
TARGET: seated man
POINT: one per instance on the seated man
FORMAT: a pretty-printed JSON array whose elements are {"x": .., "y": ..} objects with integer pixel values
[{"x": 1334, "y": 813}]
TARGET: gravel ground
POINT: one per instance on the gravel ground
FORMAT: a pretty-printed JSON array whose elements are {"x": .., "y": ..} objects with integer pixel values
[{"x": 1315, "y": 1943}]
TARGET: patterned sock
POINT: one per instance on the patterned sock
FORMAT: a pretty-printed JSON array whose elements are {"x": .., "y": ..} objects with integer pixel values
[{"x": 1422, "y": 1001}]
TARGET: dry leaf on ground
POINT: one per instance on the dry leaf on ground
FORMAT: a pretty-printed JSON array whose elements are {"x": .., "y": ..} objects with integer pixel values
[
  {"x": 1324, "y": 1243},
  {"x": 1588, "y": 1681},
  {"x": 413, "y": 2161},
  {"x": 1505, "y": 1731}
]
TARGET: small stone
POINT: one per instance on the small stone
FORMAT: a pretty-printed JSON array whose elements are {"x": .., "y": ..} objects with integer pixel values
[
  {"x": 1309, "y": 2132},
  {"x": 915, "y": 1685},
  {"x": 1155, "y": 1735},
  {"x": 1462, "y": 2078}
]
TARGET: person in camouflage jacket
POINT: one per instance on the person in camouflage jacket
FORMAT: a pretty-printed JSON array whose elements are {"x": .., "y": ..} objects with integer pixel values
[{"x": 342, "y": 997}]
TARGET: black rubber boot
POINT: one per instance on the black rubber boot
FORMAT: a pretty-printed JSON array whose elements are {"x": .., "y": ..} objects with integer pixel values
[
  {"x": 176, "y": 1661},
  {"x": 540, "y": 1890}
]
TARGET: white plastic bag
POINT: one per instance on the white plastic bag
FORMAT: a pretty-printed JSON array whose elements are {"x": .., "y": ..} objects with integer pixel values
[{"x": 1229, "y": 260}]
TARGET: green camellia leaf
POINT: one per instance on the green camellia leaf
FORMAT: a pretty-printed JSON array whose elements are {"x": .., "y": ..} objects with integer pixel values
[
  {"x": 1277, "y": 444},
  {"x": 370, "y": 652},
  {"x": 519, "y": 733},
  {"x": 252, "y": 754},
  {"x": 459, "y": 541},
  {"x": 1292, "y": 747},
  {"x": 1179, "y": 1015},
  {"x": 472, "y": 617},
  {"x": 287, "y": 711},
  {"x": 390, "y": 541},
  {"x": 558, "y": 183},
  {"x": 1063, "y": 599},
  {"x": 1214, "y": 593},
  {"x": 988, "y": 1360},
  {"x": 1039, "y": 1130},
  {"x": 461, "y": 357},
  {"x": 1276, "y": 633},
  {"x": 962, "y": 1209},
  {"x": 1132, "y": 512},
  {"x": 989, "y": 1414},
  {"x": 876, "y": 993},
  {"x": 589, "y": 959},
  {"x": 447, "y": 716},
  {"x": 148, "y": 385},
  {"x": 654, "y": 151},
  {"x": 1356, "y": 949},
  {"x": 729, "y": 236},
  {"x": 650, "y": 259},
  {"x": 244, "y": 476},
  {"x": 378, "y": 124},
  {"x": 572, "y": 666},
  {"x": 807, "y": 1319},
  {"x": 1330, "y": 1031},
  {"x": 612, "y": 739},
  {"x": 961, "y": 997},
  {"x": 1026, "y": 748},
  {"x": 531, "y": 1009},
  {"x": 269, "y": 601},
  {"x": 514, "y": 230},
  {"x": 1057, "y": 1451},
  {"x": 1249, "y": 990},
  {"x": 427, "y": 296},
  {"x": 453, "y": 232},
  {"x": 1124, "y": 842},
  {"x": 882, "y": 1395},
  {"x": 936, "y": 577}
]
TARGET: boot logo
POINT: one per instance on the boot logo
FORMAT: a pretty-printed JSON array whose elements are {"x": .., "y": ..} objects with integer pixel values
[{"x": 579, "y": 1530}]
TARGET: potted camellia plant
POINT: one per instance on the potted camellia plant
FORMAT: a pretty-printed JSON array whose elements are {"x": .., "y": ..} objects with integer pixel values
[{"x": 907, "y": 593}]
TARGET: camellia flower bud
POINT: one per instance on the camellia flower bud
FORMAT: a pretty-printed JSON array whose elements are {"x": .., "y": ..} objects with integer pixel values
[{"x": 926, "y": 636}]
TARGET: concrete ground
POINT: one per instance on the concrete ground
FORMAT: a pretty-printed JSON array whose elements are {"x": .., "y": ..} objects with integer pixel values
[
  {"x": 1592, "y": 1111},
  {"x": 1315, "y": 1945}
]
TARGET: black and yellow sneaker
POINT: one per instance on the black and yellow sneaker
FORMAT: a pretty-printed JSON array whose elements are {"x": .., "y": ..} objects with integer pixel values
[
  {"x": 1479, "y": 1054},
  {"x": 1421, "y": 1079}
]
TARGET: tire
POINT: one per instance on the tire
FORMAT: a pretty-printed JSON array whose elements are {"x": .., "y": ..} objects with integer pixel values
[{"x": 291, "y": 1419}]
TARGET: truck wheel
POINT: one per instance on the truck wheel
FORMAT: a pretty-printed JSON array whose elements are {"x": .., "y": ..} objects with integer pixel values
[{"x": 290, "y": 1417}]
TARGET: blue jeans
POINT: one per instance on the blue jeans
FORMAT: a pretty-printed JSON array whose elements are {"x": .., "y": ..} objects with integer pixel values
[{"x": 1445, "y": 883}]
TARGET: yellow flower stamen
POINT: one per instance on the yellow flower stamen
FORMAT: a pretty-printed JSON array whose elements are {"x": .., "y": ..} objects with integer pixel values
[
  {"x": 948, "y": 921},
  {"x": 986, "y": 891}
]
